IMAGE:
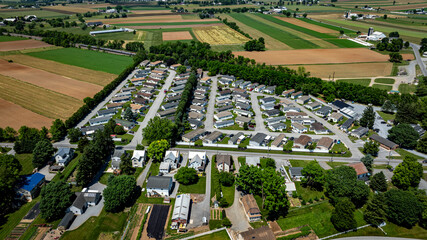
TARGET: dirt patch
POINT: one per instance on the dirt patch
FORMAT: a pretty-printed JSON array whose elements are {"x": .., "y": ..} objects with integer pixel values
[
  {"x": 174, "y": 26},
  {"x": 275, "y": 227},
  {"x": 315, "y": 56},
  {"x": 74, "y": 72},
  {"x": 23, "y": 44},
  {"x": 15, "y": 116},
  {"x": 168, "y": 36},
  {"x": 47, "y": 80},
  {"x": 307, "y": 25},
  {"x": 408, "y": 56},
  {"x": 356, "y": 70}
]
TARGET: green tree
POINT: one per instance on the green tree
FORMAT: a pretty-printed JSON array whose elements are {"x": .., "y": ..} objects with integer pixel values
[
  {"x": 226, "y": 179},
  {"x": 403, "y": 208},
  {"x": 119, "y": 130},
  {"x": 378, "y": 182},
  {"x": 245, "y": 126},
  {"x": 270, "y": 163},
  {"x": 9, "y": 177},
  {"x": 343, "y": 215},
  {"x": 388, "y": 107},
  {"x": 42, "y": 153},
  {"x": 372, "y": 148},
  {"x": 404, "y": 135},
  {"x": 27, "y": 140},
  {"x": 56, "y": 197},
  {"x": 74, "y": 134},
  {"x": 120, "y": 192},
  {"x": 395, "y": 57},
  {"x": 83, "y": 142},
  {"x": 159, "y": 128},
  {"x": 157, "y": 149},
  {"x": 314, "y": 176},
  {"x": 407, "y": 174},
  {"x": 126, "y": 164},
  {"x": 367, "y": 160},
  {"x": 422, "y": 144},
  {"x": 129, "y": 115},
  {"x": 186, "y": 176},
  {"x": 368, "y": 117},
  {"x": 58, "y": 130},
  {"x": 375, "y": 210},
  {"x": 181, "y": 69}
]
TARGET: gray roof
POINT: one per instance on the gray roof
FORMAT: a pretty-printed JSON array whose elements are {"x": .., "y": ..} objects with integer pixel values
[
  {"x": 99, "y": 119},
  {"x": 192, "y": 134},
  {"x": 275, "y": 119},
  {"x": 259, "y": 137},
  {"x": 170, "y": 105},
  {"x": 107, "y": 111},
  {"x": 243, "y": 119},
  {"x": 278, "y": 125},
  {"x": 118, "y": 153},
  {"x": 66, "y": 220},
  {"x": 80, "y": 201},
  {"x": 360, "y": 131},
  {"x": 213, "y": 136},
  {"x": 125, "y": 123},
  {"x": 243, "y": 105},
  {"x": 167, "y": 112},
  {"x": 225, "y": 108},
  {"x": 225, "y": 122},
  {"x": 383, "y": 141},
  {"x": 272, "y": 112},
  {"x": 159, "y": 182},
  {"x": 235, "y": 137},
  {"x": 268, "y": 99},
  {"x": 324, "y": 110},
  {"x": 63, "y": 152},
  {"x": 195, "y": 122},
  {"x": 347, "y": 124},
  {"x": 91, "y": 128},
  {"x": 295, "y": 171}
]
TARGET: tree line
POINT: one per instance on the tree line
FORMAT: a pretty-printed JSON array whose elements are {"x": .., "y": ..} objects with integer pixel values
[{"x": 234, "y": 26}]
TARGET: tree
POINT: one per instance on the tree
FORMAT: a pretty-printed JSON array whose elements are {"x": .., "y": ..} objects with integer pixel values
[
  {"x": 371, "y": 147},
  {"x": 368, "y": 117},
  {"x": 129, "y": 115},
  {"x": 385, "y": 16},
  {"x": 74, "y": 134},
  {"x": 226, "y": 222},
  {"x": 270, "y": 163},
  {"x": 226, "y": 179},
  {"x": 119, "y": 130},
  {"x": 388, "y": 107},
  {"x": 159, "y": 128},
  {"x": 181, "y": 69},
  {"x": 58, "y": 130},
  {"x": 314, "y": 176},
  {"x": 305, "y": 15},
  {"x": 367, "y": 160},
  {"x": 56, "y": 197},
  {"x": 375, "y": 210},
  {"x": 9, "y": 176},
  {"x": 157, "y": 149},
  {"x": 407, "y": 174},
  {"x": 422, "y": 145},
  {"x": 395, "y": 57},
  {"x": 378, "y": 182},
  {"x": 27, "y": 140},
  {"x": 404, "y": 135},
  {"x": 120, "y": 192},
  {"x": 126, "y": 164},
  {"x": 245, "y": 126},
  {"x": 186, "y": 176},
  {"x": 42, "y": 153},
  {"x": 83, "y": 142},
  {"x": 343, "y": 215},
  {"x": 403, "y": 208}
]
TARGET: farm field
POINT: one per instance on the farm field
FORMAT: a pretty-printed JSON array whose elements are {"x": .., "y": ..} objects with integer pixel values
[
  {"x": 4, "y": 38},
  {"x": 308, "y": 25},
  {"x": 15, "y": 116},
  {"x": 168, "y": 36},
  {"x": 176, "y": 26},
  {"x": 219, "y": 35},
  {"x": 182, "y": 22},
  {"x": 355, "y": 70},
  {"x": 74, "y": 8},
  {"x": 385, "y": 80},
  {"x": 20, "y": 45},
  {"x": 69, "y": 71},
  {"x": 47, "y": 80},
  {"x": 97, "y": 61},
  {"x": 315, "y": 56},
  {"x": 39, "y": 13},
  {"x": 38, "y": 100}
]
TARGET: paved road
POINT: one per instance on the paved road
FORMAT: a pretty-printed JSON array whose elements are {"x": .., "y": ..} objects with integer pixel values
[
  {"x": 143, "y": 175},
  {"x": 420, "y": 62},
  {"x": 211, "y": 104},
  {"x": 152, "y": 111},
  {"x": 259, "y": 121}
]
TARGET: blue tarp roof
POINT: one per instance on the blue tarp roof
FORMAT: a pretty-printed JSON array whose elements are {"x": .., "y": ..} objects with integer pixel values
[{"x": 31, "y": 181}]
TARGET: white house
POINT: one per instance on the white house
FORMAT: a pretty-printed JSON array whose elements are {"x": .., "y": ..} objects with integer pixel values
[
  {"x": 138, "y": 158},
  {"x": 172, "y": 157},
  {"x": 223, "y": 163},
  {"x": 63, "y": 156},
  {"x": 164, "y": 167},
  {"x": 159, "y": 185},
  {"x": 197, "y": 160}
]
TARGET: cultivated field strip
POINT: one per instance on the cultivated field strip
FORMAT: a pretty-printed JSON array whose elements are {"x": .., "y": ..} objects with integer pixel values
[
  {"x": 19, "y": 45},
  {"x": 74, "y": 72},
  {"x": 289, "y": 39},
  {"x": 47, "y": 80},
  {"x": 172, "y": 36},
  {"x": 15, "y": 116},
  {"x": 36, "y": 99},
  {"x": 298, "y": 22},
  {"x": 219, "y": 35}
]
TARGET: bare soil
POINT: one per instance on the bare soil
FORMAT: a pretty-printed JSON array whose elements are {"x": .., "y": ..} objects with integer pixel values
[
  {"x": 307, "y": 25},
  {"x": 184, "y": 35},
  {"x": 23, "y": 44},
  {"x": 15, "y": 116}
]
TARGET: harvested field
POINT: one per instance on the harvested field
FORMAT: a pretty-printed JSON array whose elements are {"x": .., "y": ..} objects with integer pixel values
[
  {"x": 315, "y": 56},
  {"x": 38, "y": 100},
  {"x": 143, "y": 12},
  {"x": 15, "y": 116},
  {"x": 169, "y": 36},
  {"x": 47, "y": 80},
  {"x": 74, "y": 72},
  {"x": 307, "y": 25},
  {"x": 405, "y": 7},
  {"x": 219, "y": 35},
  {"x": 24, "y": 44},
  {"x": 408, "y": 56},
  {"x": 175, "y": 26},
  {"x": 355, "y": 70},
  {"x": 70, "y": 9},
  {"x": 166, "y": 21}
]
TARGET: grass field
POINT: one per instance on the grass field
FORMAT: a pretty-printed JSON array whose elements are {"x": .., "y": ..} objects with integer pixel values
[
  {"x": 198, "y": 188},
  {"x": 308, "y": 193},
  {"x": 299, "y": 163},
  {"x": 93, "y": 60},
  {"x": 10, "y": 38},
  {"x": 38, "y": 13},
  {"x": 291, "y": 40},
  {"x": 383, "y": 87},
  {"x": 221, "y": 235},
  {"x": 26, "y": 161},
  {"x": 385, "y": 80},
  {"x": 386, "y": 116},
  {"x": 361, "y": 81},
  {"x": 36, "y": 99},
  {"x": 94, "y": 226},
  {"x": 346, "y": 31},
  {"x": 407, "y": 88}
]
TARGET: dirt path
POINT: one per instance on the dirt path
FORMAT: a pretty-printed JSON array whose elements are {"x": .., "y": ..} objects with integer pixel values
[{"x": 140, "y": 214}]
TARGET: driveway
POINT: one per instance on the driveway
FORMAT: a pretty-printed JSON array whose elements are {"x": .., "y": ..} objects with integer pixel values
[
  {"x": 211, "y": 104},
  {"x": 45, "y": 171},
  {"x": 143, "y": 175}
]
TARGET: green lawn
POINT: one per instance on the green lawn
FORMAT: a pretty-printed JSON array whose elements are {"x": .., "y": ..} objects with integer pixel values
[
  {"x": 386, "y": 116},
  {"x": 403, "y": 153},
  {"x": 281, "y": 35},
  {"x": 407, "y": 88},
  {"x": 224, "y": 140},
  {"x": 339, "y": 148},
  {"x": 94, "y": 226},
  {"x": 221, "y": 235},
  {"x": 383, "y": 87},
  {"x": 241, "y": 160},
  {"x": 392, "y": 230},
  {"x": 117, "y": 36},
  {"x": 307, "y": 193},
  {"x": 234, "y": 127},
  {"x": 359, "y": 81},
  {"x": 385, "y": 80},
  {"x": 26, "y": 161},
  {"x": 228, "y": 194},
  {"x": 336, "y": 164},
  {"x": 299, "y": 163},
  {"x": 94, "y": 60},
  {"x": 346, "y": 31},
  {"x": 198, "y": 188},
  {"x": 4, "y": 38}
]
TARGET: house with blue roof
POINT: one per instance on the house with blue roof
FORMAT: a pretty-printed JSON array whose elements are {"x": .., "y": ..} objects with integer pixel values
[{"x": 31, "y": 186}]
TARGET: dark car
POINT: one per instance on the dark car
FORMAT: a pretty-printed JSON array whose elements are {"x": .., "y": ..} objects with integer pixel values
[{"x": 376, "y": 130}]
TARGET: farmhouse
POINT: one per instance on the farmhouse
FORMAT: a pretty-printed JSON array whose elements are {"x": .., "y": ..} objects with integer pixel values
[
  {"x": 298, "y": 128},
  {"x": 325, "y": 143},
  {"x": 138, "y": 158},
  {"x": 278, "y": 140},
  {"x": 224, "y": 123},
  {"x": 361, "y": 170},
  {"x": 223, "y": 163},
  {"x": 213, "y": 137},
  {"x": 181, "y": 210},
  {"x": 159, "y": 186},
  {"x": 250, "y": 207},
  {"x": 258, "y": 139},
  {"x": 193, "y": 135},
  {"x": 385, "y": 143},
  {"x": 303, "y": 100},
  {"x": 63, "y": 156},
  {"x": 302, "y": 141},
  {"x": 236, "y": 139},
  {"x": 197, "y": 160},
  {"x": 31, "y": 186}
]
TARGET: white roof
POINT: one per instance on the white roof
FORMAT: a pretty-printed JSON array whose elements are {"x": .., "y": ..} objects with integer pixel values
[
  {"x": 201, "y": 155},
  {"x": 174, "y": 153},
  {"x": 290, "y": 187},
  {"x": 252, "y": 161},
  {"x": 138, "y": 154},
  {"x": 164, "y": 165},
  {"x": 182, "y": 207}
]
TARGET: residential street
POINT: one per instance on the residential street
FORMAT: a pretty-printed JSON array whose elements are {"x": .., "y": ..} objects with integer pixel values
[
  {"x": 420, "y": 62},
  {"x": 211, "y": 105}
]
